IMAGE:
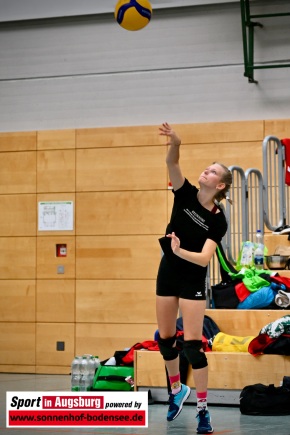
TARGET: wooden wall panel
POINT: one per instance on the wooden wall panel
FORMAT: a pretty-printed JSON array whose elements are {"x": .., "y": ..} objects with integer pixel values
[
  {"x": 55, "y": 370},
  {"x": 56, "y": 171},
  {"x": 117, "y": 257},
  {"x": 18, "y": 172},
  {"x": 115, "y": 301},
  {"x": 18, "y": 257},
  {"x": 47, "y": 335},
  {"x": 18, "y": 215},
  {"x": 17, "y": 300},
  {"x": 17, "y": 343},
  {"x": 220, "y": 132},
  {"x": 56, "y": 197},
  {"x": 55, "y": 301},
  {"x": 273, "y": 242},
  {"x": 104, "y": 339},
  {"x": 105, "y": 213},
  {"x": 17, "y": 368},
  {"x": 48, "y": 262},
  {"x": 118, "y": 137},
  {"x": 18, "y": 141},
  {"x": 190, "y": 133},
  {"x": 56, "y": 139},
  {"x": 195, "y": 158},
  {"x": 130, "y": 168},
  {"x": 277, "y": 127}
]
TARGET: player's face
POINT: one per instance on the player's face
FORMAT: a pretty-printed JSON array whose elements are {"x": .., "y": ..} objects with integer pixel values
[{"x": 211, "y": 176}]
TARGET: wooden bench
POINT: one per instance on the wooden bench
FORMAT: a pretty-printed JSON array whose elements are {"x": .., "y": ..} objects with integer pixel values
[{"x": 227, "y": 370}]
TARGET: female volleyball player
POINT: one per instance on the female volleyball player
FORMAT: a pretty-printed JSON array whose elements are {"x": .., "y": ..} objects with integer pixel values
[{"x": 196, "y": 226}]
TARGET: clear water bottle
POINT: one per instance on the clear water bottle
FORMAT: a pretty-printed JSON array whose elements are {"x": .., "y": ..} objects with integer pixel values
[
  {"x": 85, "y": 381},
  {"x": 92, "y": 367},
  {"x": 97, "y": 362},
  {"x": 259, "y": 251},
  {"x": 76, "y": 373}
]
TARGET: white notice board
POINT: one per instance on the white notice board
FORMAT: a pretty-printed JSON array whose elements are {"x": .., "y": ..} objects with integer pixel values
[{"x": 55, "y": 216}]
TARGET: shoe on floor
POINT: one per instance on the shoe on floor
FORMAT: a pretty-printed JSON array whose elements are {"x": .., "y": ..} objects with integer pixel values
[
  {"x": 204, "y": 422},
  {"x": 176, "y": 402}
]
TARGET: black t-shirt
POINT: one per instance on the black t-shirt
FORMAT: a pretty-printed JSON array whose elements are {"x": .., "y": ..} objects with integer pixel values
[{"x": 193, "y": 224}]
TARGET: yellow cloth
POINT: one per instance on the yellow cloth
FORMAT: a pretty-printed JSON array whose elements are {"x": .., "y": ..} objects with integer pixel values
[{"x": 231, "y": 343}]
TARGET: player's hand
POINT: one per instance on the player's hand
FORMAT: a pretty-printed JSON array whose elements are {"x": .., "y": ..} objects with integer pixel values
[
  {"x": 175, "y": 243},
  {"x": 166, "y": 130}
]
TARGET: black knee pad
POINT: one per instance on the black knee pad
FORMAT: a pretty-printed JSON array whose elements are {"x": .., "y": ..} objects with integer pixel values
[
  {"x": 193, "y": 354},
  {"x": 166, "y": 348}
]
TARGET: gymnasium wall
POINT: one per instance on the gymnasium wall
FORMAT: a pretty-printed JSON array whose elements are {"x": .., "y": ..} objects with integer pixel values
[
  {"x": 117, "y": 179},
  {"x": 85, "y": 71},
  {"x": 35, "y": 9}
]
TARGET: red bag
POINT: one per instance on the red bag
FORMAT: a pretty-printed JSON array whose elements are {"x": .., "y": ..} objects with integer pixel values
[{"x": 149, "y": 345}]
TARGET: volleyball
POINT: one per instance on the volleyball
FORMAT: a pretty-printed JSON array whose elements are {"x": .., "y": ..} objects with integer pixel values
[{"x": 133, "y": 14}]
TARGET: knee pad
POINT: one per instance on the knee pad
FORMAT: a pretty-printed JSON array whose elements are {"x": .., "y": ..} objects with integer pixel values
[
  {"x": 166, "y": 348},
  {"x": 193, "y": 354}
]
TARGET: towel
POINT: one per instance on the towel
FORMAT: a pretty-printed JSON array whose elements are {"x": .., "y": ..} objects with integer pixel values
[
  {"x": 286, "y": 143},
  {"x": 282, "y": 299}
]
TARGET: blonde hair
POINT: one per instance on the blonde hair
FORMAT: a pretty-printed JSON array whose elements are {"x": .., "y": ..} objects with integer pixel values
[{"x": 227, "y": 179}]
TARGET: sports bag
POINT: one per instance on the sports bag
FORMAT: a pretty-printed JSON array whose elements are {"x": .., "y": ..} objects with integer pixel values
[
  {"x": 113, "y": 378},
  {"x": 128, "y": 356},
  {"x": 231, "y": 343},
  {"x": 259, "y": 399},
  {"x": 224, "y": 295}
]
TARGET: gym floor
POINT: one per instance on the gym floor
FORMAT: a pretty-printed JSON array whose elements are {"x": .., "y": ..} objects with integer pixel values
[{"x": 225, "y": 419}]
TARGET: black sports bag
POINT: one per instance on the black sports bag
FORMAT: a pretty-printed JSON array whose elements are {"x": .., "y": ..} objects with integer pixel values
[{"x": 259, "y": 399}]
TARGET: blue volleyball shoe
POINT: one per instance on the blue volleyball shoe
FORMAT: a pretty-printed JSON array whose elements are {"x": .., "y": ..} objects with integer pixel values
[
  {"x": 176, "y": 402},
  {"x": 204, "y": 422}
]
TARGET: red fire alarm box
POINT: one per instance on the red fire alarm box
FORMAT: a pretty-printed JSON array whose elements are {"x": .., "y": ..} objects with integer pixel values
[{"x": 61, "y": 250}]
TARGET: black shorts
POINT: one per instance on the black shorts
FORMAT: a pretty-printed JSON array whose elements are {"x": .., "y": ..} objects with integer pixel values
[{"x": 173, "y": 281}]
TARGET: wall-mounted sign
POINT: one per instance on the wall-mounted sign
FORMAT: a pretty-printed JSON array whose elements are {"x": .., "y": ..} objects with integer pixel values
[{"x": 55, "y": 216}]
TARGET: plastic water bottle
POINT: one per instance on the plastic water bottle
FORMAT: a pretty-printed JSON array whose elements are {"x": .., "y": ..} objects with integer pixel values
[
  {"x": 97, "y": 363},
  {"x": 92, "y": 368},
  {"x": 85, "y": 381},
  {"x": 76, "y": 373},
  {"x": 259, "y": 251}
]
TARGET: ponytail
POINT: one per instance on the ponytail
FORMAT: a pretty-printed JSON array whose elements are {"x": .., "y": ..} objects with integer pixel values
[{"x": 227, "y": 179}]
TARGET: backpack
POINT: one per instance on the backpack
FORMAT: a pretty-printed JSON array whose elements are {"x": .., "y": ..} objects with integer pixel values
[{"x": 210, "y": 330}]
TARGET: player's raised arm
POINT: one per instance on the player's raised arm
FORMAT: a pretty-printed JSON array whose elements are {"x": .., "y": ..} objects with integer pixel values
[{"x": 172, "y": 158}]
